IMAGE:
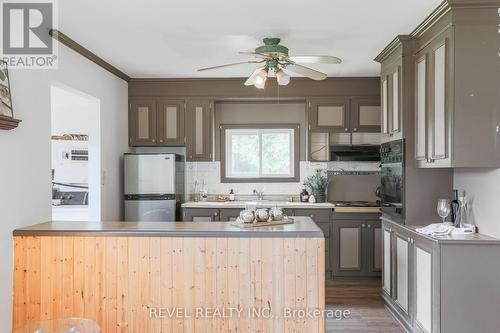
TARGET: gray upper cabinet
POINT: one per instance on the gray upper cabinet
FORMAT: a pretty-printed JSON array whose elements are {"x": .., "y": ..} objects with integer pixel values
[
  {"x": 365, "y": 114},
  {"x": 199, "y": 120},
  {"x": 156, "y": 122},
  {"x": 329, "y": 114},
  {"x": 170, "y": 122},
  {"x": 456, "y": 65},
  {"x": 142, "y": 122},
  {"x": 396, "y": 70},
  {"x": 433, "y": 103}
]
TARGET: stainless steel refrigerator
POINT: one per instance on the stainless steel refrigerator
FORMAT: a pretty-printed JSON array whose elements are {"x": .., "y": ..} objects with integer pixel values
[{"x": 153, "y": 186}]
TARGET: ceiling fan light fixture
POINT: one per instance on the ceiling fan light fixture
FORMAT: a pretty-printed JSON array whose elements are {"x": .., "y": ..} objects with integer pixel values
[
  {"x": 260, "y": 82},
  {"x": 260, "y": 79},
  {"x": 282, "y": 78}
]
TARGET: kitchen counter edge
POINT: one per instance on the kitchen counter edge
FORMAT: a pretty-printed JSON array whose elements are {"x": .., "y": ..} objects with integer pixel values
[
  {"x": 472, "y": 239},
  {"x": 304, "y": 227}
]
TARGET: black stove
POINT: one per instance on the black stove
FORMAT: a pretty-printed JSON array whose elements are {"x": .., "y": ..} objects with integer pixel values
[{"x": 356, "y": 203}]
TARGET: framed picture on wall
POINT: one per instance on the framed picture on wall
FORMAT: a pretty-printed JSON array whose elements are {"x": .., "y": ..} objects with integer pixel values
[{"x": 7, "y": 120}]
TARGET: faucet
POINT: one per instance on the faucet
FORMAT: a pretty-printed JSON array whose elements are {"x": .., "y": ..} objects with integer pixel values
[{"x": 260, "y": 194}]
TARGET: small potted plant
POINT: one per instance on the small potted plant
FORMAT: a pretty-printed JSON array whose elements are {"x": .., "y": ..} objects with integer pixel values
[{"x": 318, "y": 183}]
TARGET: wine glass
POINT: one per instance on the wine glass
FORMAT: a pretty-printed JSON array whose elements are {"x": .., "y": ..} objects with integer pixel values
[{"x": 443, "y": 208}]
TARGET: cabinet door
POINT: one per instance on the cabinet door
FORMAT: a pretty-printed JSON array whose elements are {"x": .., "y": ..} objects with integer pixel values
[
  {"x": 385, "y": 106},
  {"x": 229, "y": 214},
  {"x": 319, "y": 146},
  {"x": 374, "y": 248},
  {"x": 329, "y": 114},
  {"x": 170, "y": 125},
  {"x": 142, "y": 122},
  {"x": 317, "y": 215},
  {"x": 423, "y": 288},
  {"x": 386, "y": 261},
  {"x": 403, "y": 270},
  {"x": 365, "y": 114},
  {"x": 199, "y": 130},
  {"x": 395, "y": 102},
  {"x": 200, "y": 215},
  {"x": 421, "y": 107},
  {"x": 348, "y": 247},
  {"x": 325, "y": 227},
  {"x": 439, "y": 108}
]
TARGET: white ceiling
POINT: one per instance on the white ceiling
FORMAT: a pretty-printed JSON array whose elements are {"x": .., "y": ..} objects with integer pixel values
[{"x": 172, "y": 38}]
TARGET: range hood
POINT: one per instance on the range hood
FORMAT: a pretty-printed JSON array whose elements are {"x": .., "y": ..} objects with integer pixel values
[{"x": 360, "y": 153}]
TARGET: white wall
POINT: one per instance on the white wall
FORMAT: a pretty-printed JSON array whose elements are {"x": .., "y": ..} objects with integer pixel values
[
  {"x": 25, "y": 185},
  {"x": 73, "y": 112},
  {"x": 482, "y": 186}
]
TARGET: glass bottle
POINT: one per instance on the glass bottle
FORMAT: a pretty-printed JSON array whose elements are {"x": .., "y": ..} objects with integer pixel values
[{"x": 304, "y": 195}]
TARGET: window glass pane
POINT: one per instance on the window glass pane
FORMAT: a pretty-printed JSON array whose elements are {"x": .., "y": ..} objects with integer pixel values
[
  {"x": 276, "y": 153},
  {"x": 244, "y": 153}
]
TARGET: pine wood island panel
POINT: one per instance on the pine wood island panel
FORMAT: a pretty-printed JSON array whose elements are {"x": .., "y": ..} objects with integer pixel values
[{"x": 124, "y": 283}]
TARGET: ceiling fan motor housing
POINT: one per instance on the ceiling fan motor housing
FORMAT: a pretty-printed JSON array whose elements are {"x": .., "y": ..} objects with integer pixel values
[{"x": 272, "y": 47}]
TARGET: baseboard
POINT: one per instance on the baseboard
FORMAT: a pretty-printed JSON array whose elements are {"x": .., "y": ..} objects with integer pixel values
[{"x": 395, "y": 314}]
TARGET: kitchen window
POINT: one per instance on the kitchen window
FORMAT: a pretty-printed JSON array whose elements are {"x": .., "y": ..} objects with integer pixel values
[{"x": 258, "y": 153}]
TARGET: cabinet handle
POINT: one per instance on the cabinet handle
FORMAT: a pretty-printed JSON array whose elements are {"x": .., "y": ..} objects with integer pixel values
[
  {"x": 354, "y": 129},
  {"x": 311, "y": 216},
  {"x": 346, "y": 129},
  {"x": 153, "y": 140},
  {"x": 369, "y": 225},
  {"x": 363, "y": 225},
  {"x": 161, "y": 140},
  {"x": 215, "y": 214}
]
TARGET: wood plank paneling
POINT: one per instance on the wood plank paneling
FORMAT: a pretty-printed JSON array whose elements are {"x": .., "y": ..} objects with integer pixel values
[{"x": 119, "y": 281}]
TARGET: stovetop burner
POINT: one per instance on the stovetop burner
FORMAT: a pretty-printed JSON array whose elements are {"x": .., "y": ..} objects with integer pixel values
[{"x": 357, "y": 203}]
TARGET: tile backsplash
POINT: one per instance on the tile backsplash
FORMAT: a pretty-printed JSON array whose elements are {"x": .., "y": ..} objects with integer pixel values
[{"x": 209, "y": 174}]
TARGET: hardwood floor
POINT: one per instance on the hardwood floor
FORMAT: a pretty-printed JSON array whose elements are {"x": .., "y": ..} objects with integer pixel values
[{"x": 362, "y": 299}]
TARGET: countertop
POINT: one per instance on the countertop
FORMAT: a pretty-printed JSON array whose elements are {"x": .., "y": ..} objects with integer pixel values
[
  {"x": 262, "y": 203},
  {"x": 281, "y": 204},
  {"x": 303, "y": 227},
  {"x": 449, "y": 239}
]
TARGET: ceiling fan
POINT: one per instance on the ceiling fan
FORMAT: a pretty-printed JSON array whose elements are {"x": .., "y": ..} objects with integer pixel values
[{"x": 275, "y": 62}]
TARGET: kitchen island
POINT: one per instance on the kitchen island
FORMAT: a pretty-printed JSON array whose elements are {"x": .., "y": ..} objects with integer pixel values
[{"x": 172, "y": 276}]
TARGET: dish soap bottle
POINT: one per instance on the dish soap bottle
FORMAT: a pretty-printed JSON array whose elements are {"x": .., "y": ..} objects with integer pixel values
[
  {"x": 231, "y": 195},
  {"x": 304, "y": 195}
]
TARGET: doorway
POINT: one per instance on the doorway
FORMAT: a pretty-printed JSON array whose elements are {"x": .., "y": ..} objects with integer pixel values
[{"x": 76, "y": 155}]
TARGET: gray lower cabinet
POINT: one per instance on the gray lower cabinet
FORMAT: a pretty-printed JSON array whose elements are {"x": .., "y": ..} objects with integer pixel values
[
  {"x": 200, "y": 214},
  {"x": 357, "y": 244},
  {"x": 440, "y": 286},
  {"x": 229, "y": 214}
]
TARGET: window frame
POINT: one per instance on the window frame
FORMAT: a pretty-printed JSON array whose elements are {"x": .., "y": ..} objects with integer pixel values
[{"x": 295, "y": 162}]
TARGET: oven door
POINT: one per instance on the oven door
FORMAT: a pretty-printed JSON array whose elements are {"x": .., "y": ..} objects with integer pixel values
[{"x": 392, "y": 189}]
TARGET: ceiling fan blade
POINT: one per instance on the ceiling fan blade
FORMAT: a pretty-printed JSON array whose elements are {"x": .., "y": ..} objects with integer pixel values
[
  {"x": 316, "y": 59},
  {"x": 228, "y": 65},
  {"x": 251, "y": 79},
  {"x": 306, "y": 71}
]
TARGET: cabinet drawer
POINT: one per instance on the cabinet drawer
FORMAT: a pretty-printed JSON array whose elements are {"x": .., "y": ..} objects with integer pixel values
[{"x": 317, "y": 215}]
